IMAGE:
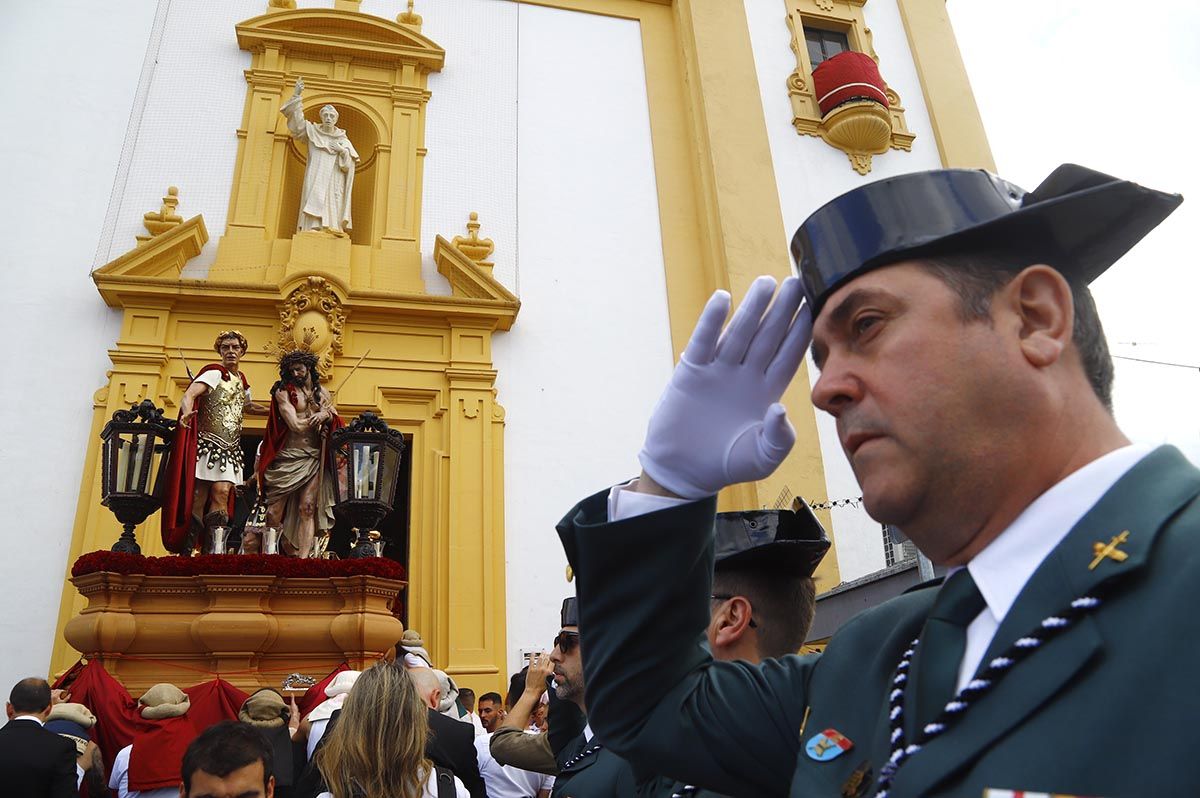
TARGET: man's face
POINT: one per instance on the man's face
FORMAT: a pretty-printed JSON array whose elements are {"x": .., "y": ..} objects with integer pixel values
[
  {"x": 927, "y": 405},
  {"x": 329, "y": 116},
  {"x": 568, "y": 665},
  {"x": 299, "y": 373},
  {"x": 230, "y": 350},
  {"x": 490, "y": 714},
  {"x": 244, "y": 782}
]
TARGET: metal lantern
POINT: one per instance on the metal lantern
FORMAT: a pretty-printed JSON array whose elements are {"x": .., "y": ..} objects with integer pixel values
[
  {"x": 365, "y": 458},
  {"x": 135, "y": 443}
]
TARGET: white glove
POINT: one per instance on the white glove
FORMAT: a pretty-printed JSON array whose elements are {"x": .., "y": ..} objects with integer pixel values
[{"x": 720, "y": 422}]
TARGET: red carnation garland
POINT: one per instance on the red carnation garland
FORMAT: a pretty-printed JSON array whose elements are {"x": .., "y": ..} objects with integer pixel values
[{"x": 243, "y": 564}]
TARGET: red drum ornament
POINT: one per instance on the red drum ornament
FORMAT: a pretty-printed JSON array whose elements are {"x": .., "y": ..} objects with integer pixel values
[{"x": 848, "y": 76}]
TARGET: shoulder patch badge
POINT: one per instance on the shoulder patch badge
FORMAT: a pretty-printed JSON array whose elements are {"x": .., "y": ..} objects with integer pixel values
[{"x": 828, "y": 745}]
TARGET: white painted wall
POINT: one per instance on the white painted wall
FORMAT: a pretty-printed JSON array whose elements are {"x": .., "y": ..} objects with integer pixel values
[
  {"x": 584, "y": 364},
  {"x": 71, "y": 68},
  {"x": 808, "y": 173}
]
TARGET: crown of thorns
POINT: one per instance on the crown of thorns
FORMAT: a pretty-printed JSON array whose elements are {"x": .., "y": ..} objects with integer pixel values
[
  {"x": 298, "y": 356},
  {"x": 221, "y": 336}
]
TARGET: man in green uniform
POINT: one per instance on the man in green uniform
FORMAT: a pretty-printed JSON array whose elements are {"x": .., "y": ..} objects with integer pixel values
[
  {"x": 762, "y": 601},
  {"x": 963, "y": 360},
  {"x": 586, "y": 767}
]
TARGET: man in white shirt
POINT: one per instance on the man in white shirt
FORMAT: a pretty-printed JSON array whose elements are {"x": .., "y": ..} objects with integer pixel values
[
  {"x": 505, "y": 781},
  {"x": 963, "y": 358}
]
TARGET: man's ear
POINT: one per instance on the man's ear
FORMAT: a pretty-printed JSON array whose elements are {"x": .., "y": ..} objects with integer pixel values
[
  {"x": 8, "y": 708},
  {"x": 270, "y": 788},
  {"x": 731, "y": 621},
  {"x": 183, "y": 791},
  {"x": 1041, "y": 298}
]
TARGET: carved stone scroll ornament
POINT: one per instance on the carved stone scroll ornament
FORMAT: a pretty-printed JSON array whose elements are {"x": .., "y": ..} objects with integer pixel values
[{"x": 311, "y": 319}]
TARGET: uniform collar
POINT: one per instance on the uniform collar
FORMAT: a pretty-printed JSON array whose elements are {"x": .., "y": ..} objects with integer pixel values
[
  {"x": 1002, "y": 569},
  {"x": 33, "y": 718},
  {"x": 587, "y": 734}
]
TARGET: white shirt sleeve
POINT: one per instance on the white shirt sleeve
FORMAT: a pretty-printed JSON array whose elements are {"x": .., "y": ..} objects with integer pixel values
[
  {"x": 119, "y": 778},
  {"x": 78, "y": 776},
  {"x": 625, "y": 502}
]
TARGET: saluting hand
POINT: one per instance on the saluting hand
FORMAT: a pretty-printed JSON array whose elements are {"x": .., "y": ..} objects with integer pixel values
[{"x": 720, "y": 422}]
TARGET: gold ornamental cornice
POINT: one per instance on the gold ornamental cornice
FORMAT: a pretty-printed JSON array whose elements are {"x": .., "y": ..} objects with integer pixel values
[{"x": 345, "y": 33}]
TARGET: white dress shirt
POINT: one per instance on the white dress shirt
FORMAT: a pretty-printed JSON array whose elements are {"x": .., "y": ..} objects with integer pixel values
[
  {"x": 119, "y": 780},
  {"x": 506, "y": 781},
  {"x": 1001, "y": 570}
]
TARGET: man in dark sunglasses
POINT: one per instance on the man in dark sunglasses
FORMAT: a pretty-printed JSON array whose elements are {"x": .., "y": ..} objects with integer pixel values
[{"x": 585, "y": 766}]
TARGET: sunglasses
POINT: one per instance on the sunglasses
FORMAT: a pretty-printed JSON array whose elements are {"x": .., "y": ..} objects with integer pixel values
[{"x": 566, "y": 641}]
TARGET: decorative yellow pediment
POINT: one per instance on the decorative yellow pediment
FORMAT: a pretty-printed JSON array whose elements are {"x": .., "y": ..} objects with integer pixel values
[
  {"x": 468, "y": 278},
  {"x": 346, "y": 33},
  {"x": 161, "y": 257}
]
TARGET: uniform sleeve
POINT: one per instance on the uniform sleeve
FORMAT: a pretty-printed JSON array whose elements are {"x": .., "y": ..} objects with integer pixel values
[
  {"x": 654, "y": 694},
  {"x": 524, "y": 751},
  {"x": 210, "y": 378}
]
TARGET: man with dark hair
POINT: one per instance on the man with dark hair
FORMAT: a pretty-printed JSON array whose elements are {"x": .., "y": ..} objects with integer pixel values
[
  {"x": 35, "y": 762},
  {"x": 763, "y": 598},
  {"x": 228, "y": 760},
  {"x": 585, "y": 766},
  {"x": 974, "y": 411},
  {"x": 491, "y": 711},
  {"x": 298, "y": 497}
]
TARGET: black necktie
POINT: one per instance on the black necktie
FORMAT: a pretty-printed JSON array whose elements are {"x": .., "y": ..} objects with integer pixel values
[{"x": 943, "y": 641}]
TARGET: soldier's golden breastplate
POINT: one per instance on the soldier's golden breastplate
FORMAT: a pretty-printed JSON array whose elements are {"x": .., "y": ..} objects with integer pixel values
[{"x": 219, "y": 425}]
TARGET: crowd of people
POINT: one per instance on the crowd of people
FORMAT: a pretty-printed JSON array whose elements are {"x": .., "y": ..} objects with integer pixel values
[{"x": 961, "y": 354}]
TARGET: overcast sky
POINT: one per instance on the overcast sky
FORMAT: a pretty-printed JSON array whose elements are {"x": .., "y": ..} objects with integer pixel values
[{"x": 1097, "y": 83}]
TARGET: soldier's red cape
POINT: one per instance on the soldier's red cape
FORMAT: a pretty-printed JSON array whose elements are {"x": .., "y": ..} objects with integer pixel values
[
  {"x": 179, "y": 479},
  {"x": 276, "y": 435}
]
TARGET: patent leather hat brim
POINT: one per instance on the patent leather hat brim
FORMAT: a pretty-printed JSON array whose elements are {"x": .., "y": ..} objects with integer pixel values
[{"x": 1078, "y": 220}]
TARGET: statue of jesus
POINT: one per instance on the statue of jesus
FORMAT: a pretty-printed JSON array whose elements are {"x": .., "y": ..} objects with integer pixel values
[{"x": 329, "y": 175}]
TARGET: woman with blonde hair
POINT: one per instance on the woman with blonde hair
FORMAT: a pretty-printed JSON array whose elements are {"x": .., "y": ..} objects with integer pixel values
[{"x": 377, "y": 747}]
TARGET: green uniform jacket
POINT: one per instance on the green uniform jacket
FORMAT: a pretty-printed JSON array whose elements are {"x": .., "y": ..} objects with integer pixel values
[
  {"x": 585, "y": 769},
  {"x": 1110, "y": 708}
]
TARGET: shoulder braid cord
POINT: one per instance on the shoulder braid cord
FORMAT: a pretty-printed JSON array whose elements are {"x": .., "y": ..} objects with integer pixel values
[{"x": 978, "y": 687}]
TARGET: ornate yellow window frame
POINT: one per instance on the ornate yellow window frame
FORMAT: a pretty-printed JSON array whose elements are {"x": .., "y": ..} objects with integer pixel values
[{"x": 845, "y": 16}]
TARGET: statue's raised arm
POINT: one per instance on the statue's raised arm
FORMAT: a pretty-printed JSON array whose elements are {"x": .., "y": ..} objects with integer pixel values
[{"x": 329, "y": 172}]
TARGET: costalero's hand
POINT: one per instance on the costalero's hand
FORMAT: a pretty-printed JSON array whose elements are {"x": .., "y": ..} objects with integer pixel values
[{"x": 720, "y": 422}]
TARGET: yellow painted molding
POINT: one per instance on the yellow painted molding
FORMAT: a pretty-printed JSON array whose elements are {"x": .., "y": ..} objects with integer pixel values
[
  {"x": 162, "y": 220},
  {"x": 469, "y": 278},
  {"x": 324, "y": 32},
  {"x": 957, "y": 126},
  {"x": 856, "y": 131},
  {"x": 375, "y": 72},
  {"x": 161, "y": 256}
]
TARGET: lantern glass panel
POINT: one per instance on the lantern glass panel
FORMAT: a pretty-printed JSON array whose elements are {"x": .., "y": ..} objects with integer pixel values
[
  {"x": 365, "y": 462},
  {"x": 391, "y": 473}
]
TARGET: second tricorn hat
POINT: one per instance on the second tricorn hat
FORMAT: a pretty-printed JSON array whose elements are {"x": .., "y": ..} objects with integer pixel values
[
  {"x": 793, "y": 542},
  {"x": 570, "y": 612},
  {"x": 1078, "y": 220}
]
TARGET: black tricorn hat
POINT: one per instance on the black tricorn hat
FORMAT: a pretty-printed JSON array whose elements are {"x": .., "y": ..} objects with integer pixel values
[
  {"x": 570, "y": 612},
  {"x": 1078, "y": 220},
  {"x": 792, "y": 542}
]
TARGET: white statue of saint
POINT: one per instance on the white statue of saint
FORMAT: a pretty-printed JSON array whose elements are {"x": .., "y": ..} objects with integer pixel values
[{"x": 329, "y": 175}]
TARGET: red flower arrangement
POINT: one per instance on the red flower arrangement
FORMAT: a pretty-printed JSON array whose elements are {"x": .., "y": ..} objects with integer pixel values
[{"x": 244, "y": 564}]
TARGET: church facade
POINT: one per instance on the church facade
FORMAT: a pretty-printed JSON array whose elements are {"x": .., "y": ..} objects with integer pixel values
[{"x": 544, "y": 194}]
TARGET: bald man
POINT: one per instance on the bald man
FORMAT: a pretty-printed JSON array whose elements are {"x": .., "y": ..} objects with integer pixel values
[{"x": 451, "y": 742}]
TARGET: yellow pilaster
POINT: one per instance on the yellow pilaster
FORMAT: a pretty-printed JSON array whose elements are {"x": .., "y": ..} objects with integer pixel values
[{"x": 949, "y": 100}]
